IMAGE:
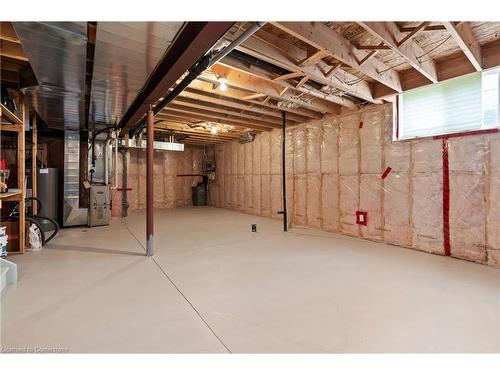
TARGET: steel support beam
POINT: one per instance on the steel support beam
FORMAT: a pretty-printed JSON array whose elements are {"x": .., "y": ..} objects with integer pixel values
[
  {"x": 149, "y": 182},
  {"x": 195, "y": 39}
]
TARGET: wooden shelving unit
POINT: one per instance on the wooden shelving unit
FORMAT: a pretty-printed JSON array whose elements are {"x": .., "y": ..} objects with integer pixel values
[
  {"x": 10, "y": 122},
  {"x": 10, "y": 117}
]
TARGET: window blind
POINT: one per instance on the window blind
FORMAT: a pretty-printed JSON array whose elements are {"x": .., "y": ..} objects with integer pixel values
[{"x": 447, "y": 107}]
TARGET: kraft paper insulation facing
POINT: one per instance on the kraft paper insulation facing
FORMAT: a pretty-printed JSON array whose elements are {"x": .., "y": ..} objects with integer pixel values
[{"x": 335, "y": 167}]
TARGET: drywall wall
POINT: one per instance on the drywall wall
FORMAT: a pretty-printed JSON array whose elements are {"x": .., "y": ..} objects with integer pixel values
[
  {"x": 170, "y": 189},
  {"x": 348, "y": 163}
]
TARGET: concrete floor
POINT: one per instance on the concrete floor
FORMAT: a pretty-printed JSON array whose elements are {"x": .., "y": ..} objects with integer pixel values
[{"x": 91, "y": 290}]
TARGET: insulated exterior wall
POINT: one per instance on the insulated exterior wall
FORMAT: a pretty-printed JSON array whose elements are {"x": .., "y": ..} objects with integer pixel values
[
  {"x": 467, "y": 161},
  {"x": 313, "y": 168},
  {"x": 170, "y": 190},
  {"x": 276, "y": 165},
  {"x": 300, "y": 176},
  {"x": 371, "y": 136},
  {"x": 349, "y": 158},
  {"x": 493, "y": 200},
  {"x": 343, "y": 164},
  {"x": 265, "y": 168},
  {"x": 330, "y": 174},
  {"x": 396, "y": 189},
  {"x": 427, "y": 195}
]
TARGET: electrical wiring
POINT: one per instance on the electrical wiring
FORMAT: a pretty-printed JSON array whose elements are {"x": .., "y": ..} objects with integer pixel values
[
  {"x": 390, "y": 68},
  {"x": 439, "y": 44},
  {"x": 348, "y": 83}
]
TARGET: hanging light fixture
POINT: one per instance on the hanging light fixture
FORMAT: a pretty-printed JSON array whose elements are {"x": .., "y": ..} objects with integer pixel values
[{"x": 214, "y": 130}]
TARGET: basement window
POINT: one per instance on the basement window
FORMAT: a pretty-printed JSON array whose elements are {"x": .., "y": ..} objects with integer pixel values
[{"x": 463, "y": 104}]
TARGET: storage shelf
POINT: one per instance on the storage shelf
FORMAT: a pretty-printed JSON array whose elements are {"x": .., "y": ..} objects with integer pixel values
[
  {"x": 11, "y": 117},
  {"x": 10, "y": 122},
  {"x": 11, "y": 196}
]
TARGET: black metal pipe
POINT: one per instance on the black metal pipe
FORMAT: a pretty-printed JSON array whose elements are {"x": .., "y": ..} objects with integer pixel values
[
  {"x": 203, "y": 64},
  {"x": 283, "y": 154},
  {"x": 124, "y": 203}
]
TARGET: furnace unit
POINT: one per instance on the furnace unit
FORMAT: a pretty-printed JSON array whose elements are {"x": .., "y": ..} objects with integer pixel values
[{"x": 100, "y": 207}]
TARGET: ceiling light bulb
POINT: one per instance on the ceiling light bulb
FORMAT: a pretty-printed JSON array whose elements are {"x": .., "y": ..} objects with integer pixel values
[
  {"x": 214, "y": 130},
  {"x": 223, "y": 84}
]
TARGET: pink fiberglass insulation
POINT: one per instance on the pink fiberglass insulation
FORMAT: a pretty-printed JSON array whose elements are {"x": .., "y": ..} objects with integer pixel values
[
  {"x": 265, "y": 194},
  {"x": 370, "y": 201},
  {"x": 427, "y": 212},
  {"x": 348, "y": 163},
  {"x": 493, "y": 200},
  {"x": 467, "y": 161},
  {"x": 169, "y": 189},
  {"x": 329, "y": 147},
  {"x": 493, "y": 221},
  {"x": 276, "y": 195},
  {"x": 158, "y": 183},
  {"x": 396, "y": 208},
  {"x": 330, "y": 202},
  {"x": 349, "y": 204},
  {"x": 300, "y": 199},
  {"x": 313, "y": 203},
  {"x": 313, "y": 173}
]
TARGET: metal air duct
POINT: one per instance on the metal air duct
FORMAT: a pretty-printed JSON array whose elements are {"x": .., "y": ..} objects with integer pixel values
[{"x": 57, "y": 54}]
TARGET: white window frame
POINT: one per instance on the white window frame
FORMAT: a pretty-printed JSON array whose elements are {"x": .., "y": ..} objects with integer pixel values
[{"x": 397, "y": 116}]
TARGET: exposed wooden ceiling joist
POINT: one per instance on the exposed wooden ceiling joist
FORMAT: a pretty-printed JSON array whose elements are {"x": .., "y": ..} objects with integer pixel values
[
  {"x": 12, "y": 50},
  {"x": 413, "y": 33},
  {"x": 181, "y": 123},
  {"x": 248, "y": 82},
  {"x": 199, "y": 143},
  {"x": 214, "y": 113},
  {"x": 454, "y": 67},
  {"x": 390, "y": 34},
  {"x": 313, "y": 58},
  {"x": 238, "y": 105},
  {"x": 194, "y": 132},
  {"x": 283, "y": 81},
  {"x": 271, "y": 49},
  {"x": 324, "y": 38},
  {"x": 8, "y": 33},
  {"x": 230, "y": 93},
  {"x": 189, "y": 115},
  {"x": 224, "y": 110},
  {"x": 463, "y": 36}
]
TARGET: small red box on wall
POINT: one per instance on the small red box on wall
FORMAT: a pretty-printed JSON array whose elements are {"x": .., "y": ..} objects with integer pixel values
[{"x": 361, "y": 217}]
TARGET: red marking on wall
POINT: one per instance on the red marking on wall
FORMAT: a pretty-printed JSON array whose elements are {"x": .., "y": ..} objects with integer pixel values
[
  {"x": 386, "y": 172},
  {"x": 446, "y": 199},
  {"x": 361, "y": 124},
  {"x": 397, "y": 116},
  {"x": 464, "y": 134},
  {"x": 361, "y": 217}
]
